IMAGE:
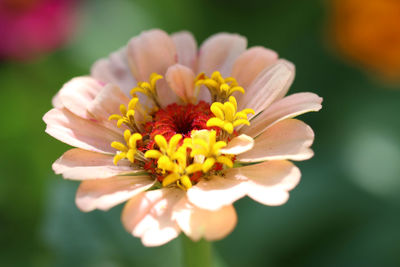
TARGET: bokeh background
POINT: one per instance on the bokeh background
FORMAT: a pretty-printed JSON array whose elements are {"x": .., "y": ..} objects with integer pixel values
[{"x": 346, "y": 210}]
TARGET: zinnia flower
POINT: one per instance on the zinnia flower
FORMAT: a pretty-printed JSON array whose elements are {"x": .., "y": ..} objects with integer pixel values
[
  {"x": 368, "y": 33},
  {"x": 32, "y": 27},
  {"x": 181, "y": 134}
]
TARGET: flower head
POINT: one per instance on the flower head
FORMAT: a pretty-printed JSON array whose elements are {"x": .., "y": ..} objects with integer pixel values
[{"x": 182, "y": 134}]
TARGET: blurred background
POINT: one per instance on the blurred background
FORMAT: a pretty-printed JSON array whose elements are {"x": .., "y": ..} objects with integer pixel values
[{"x": 345, "y": 212}]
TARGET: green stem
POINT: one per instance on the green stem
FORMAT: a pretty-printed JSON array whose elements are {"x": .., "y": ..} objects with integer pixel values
[{"x": 196, "y": 254}]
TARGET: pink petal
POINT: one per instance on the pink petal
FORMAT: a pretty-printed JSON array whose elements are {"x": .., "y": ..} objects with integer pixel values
[
  {"x": 287, "y": 107},
  {"x": 249, "y": 64},
  {"x": 79, "y": 164},
  {"x": 75, "y": 131},
  {"x": 238, "y": 145},
  {"x": 107, "y": 102},
  {"x": 181, "y": 80},
  {"x": 186, "y": 48},
  {"x": 149, "y": 216},
  {"x": 215, "y": 193},
  {"x": 203, "y": 94},
  {"x": 115, "y": 69},
  {"x": 166, "y": 96},
  {"x": 56, "y": 101},
  {"x": 151, "y": 51},
  {"x": 268, "y": 182},
  {"x": 287, "y": 139},
  {"x": 199, "y": 223},
  {"x": 104, "y": 194},
  {"x": 77, "y": 94},
  {"x": 267, "y": 87},
  {"x": 219, "y": 52},
  {"x": 283, "y": 92}
]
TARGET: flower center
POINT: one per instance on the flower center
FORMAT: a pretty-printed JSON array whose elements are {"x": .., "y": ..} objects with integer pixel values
[
  {"x": 179, "y": 144},
  {"x": 179, "y": 119}
]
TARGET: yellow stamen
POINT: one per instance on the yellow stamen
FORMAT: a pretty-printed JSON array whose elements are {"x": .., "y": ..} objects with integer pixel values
[
  {"x": 219, "y": 87},
  {"x": 119, "y": 146},
  {"x": 185, "y": 181},
  {"x": 225, "y": 160},
  {"x": 207, "y": 165},
  {"x": 128, "y": 114},
  {"x": 126, "y": 151},
  {"x": 173, "y": 158},
  {"x": 226, "y": 115},
  {"x": 148, "y": 88},
  {"x": 206, "y": 150},
  {"x": 192, "y": 168},
  {"x": 165, "y": 164},
  {"x": 161, "y": 142},
  {"x": 171, "y": 178},
  {"x": 153, "y": 154}
]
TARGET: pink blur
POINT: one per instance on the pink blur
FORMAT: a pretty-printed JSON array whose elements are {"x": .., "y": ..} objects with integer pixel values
[{"x": 33, "y": 27}]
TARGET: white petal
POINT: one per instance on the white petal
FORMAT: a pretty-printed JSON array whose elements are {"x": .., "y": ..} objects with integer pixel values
[
  {"x": 204, "y": 94},
  {"x": 107, "y": 102},
  {"x": 186, "y": 48},
  {"x": 199, "y": 223},
  {"x": 79, "y": 132},
  {"x": 219, "y": 52},
  {"x": 269, "y": 85},
  {"x": 77, "y": 94},
  {"x": 79, "y": 164},
  {"x": 115, "y": 69},
  {"x": 287, "y": 107},
  {"x": 238, "y": 145},
  {"x": 181, "y": 80},
  {"x": 149, "y": 216},
  {"x": 166, "y": 96},
  {"x": 268, "y": 182},
  {"x": 249, "y": 64},
  {"x": 104, "y": 194},
  {"x": 287, "y": 139},
  {"x": 215, "y": 193},
  {"x": 56, "y": 101},
  {"x": 151, "y": 51}
]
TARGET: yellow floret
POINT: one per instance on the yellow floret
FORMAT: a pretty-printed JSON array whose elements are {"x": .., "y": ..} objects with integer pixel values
[
  {"x": 148, "y": 88},
  {"x": 226, "y": 115},
  {"x": 206, "y": 150},
  {"x": 129, "y": 149},
  {"x": 173, "y": 158},
  {"x": 128, "y": 114},
  {"x": 219, "y": 87}
]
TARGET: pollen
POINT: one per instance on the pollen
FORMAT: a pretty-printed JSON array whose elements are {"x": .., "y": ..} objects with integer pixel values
[
  {"x": 219, "y": 87},
  {"x": 128, "y": 150},
  {"x": 227, "y": 117}
]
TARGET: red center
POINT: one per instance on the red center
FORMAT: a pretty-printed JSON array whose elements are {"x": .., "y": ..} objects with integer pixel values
[{"x": 177, "y": 119}]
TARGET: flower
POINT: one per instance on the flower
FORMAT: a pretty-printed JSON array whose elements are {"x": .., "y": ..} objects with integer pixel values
[
  {"x": 181, "y": 134},
  {"x": 32, "y": 27},
  {"x": 368, "y": 33}
]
